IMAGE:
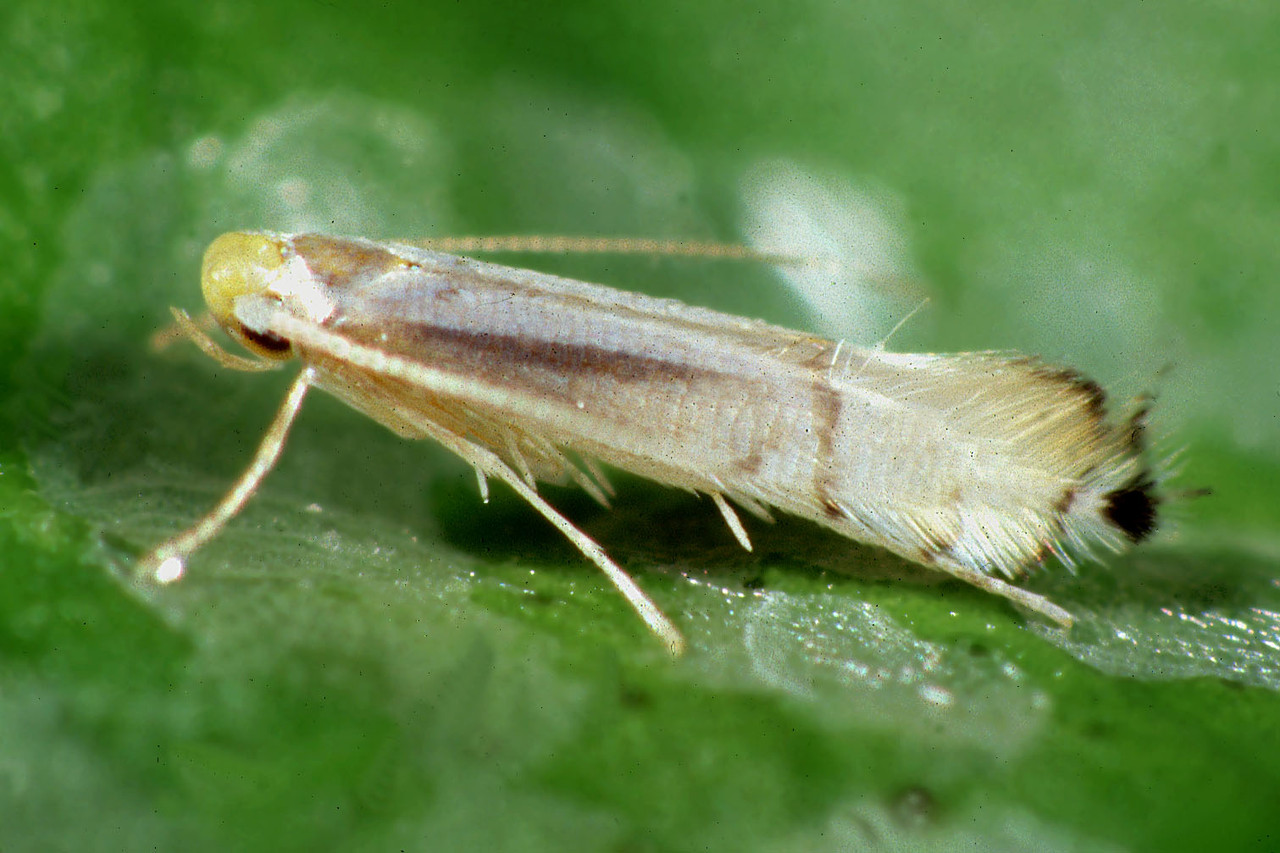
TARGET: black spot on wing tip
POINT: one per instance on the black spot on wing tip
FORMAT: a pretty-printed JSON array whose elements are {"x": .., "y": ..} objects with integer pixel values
[{"x": 1133, "y": 508}]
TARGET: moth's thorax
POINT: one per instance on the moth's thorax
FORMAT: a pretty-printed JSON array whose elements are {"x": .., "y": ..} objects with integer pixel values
[{"x": 300, "y": 290}]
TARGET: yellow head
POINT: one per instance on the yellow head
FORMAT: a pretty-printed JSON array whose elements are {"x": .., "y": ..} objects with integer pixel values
[{"x": 241, "y": 264}]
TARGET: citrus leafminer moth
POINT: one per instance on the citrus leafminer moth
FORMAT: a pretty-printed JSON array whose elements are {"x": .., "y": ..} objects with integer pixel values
[{"x": 979, "y": 465}]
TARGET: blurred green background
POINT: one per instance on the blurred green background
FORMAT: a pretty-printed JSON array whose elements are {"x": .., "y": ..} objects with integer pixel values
[{"x": 370, "y": 658}]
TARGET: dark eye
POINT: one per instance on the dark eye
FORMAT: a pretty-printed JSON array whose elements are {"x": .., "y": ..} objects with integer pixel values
[{"x": 266, "y": 340}]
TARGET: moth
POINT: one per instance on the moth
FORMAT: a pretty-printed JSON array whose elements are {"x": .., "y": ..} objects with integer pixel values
[{"x": 980, "y": 465}]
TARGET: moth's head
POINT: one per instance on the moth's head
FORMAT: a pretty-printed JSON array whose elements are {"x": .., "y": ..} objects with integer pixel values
[{"x": 242, "y": 265}]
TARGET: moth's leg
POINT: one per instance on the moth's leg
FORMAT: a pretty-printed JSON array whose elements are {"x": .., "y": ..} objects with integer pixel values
[
  {"x": 754, "y": 507},
  {"x": 176, "y": 331},
  {"x": 588, "y": 485},
  {"x": 567, "y": 468},
  {"x": 197, "y": 331},
  {"x": 490, "y": 463},
  {"x": 483, "y": 483},
  {"x": 597, "y": 473},
  {"x": 513, "y": 450},
  {"x": 167, "y": 561},
  {"x": 1016, "y": 594},
  {"x": 731, "y": 519}
]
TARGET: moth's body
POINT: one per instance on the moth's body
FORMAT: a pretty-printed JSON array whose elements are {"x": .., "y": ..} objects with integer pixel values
[{"x": 978, "y": 464}]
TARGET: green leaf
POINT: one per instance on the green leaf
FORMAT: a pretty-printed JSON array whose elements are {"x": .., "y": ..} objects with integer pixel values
[{"x": 371, "y": 658}]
